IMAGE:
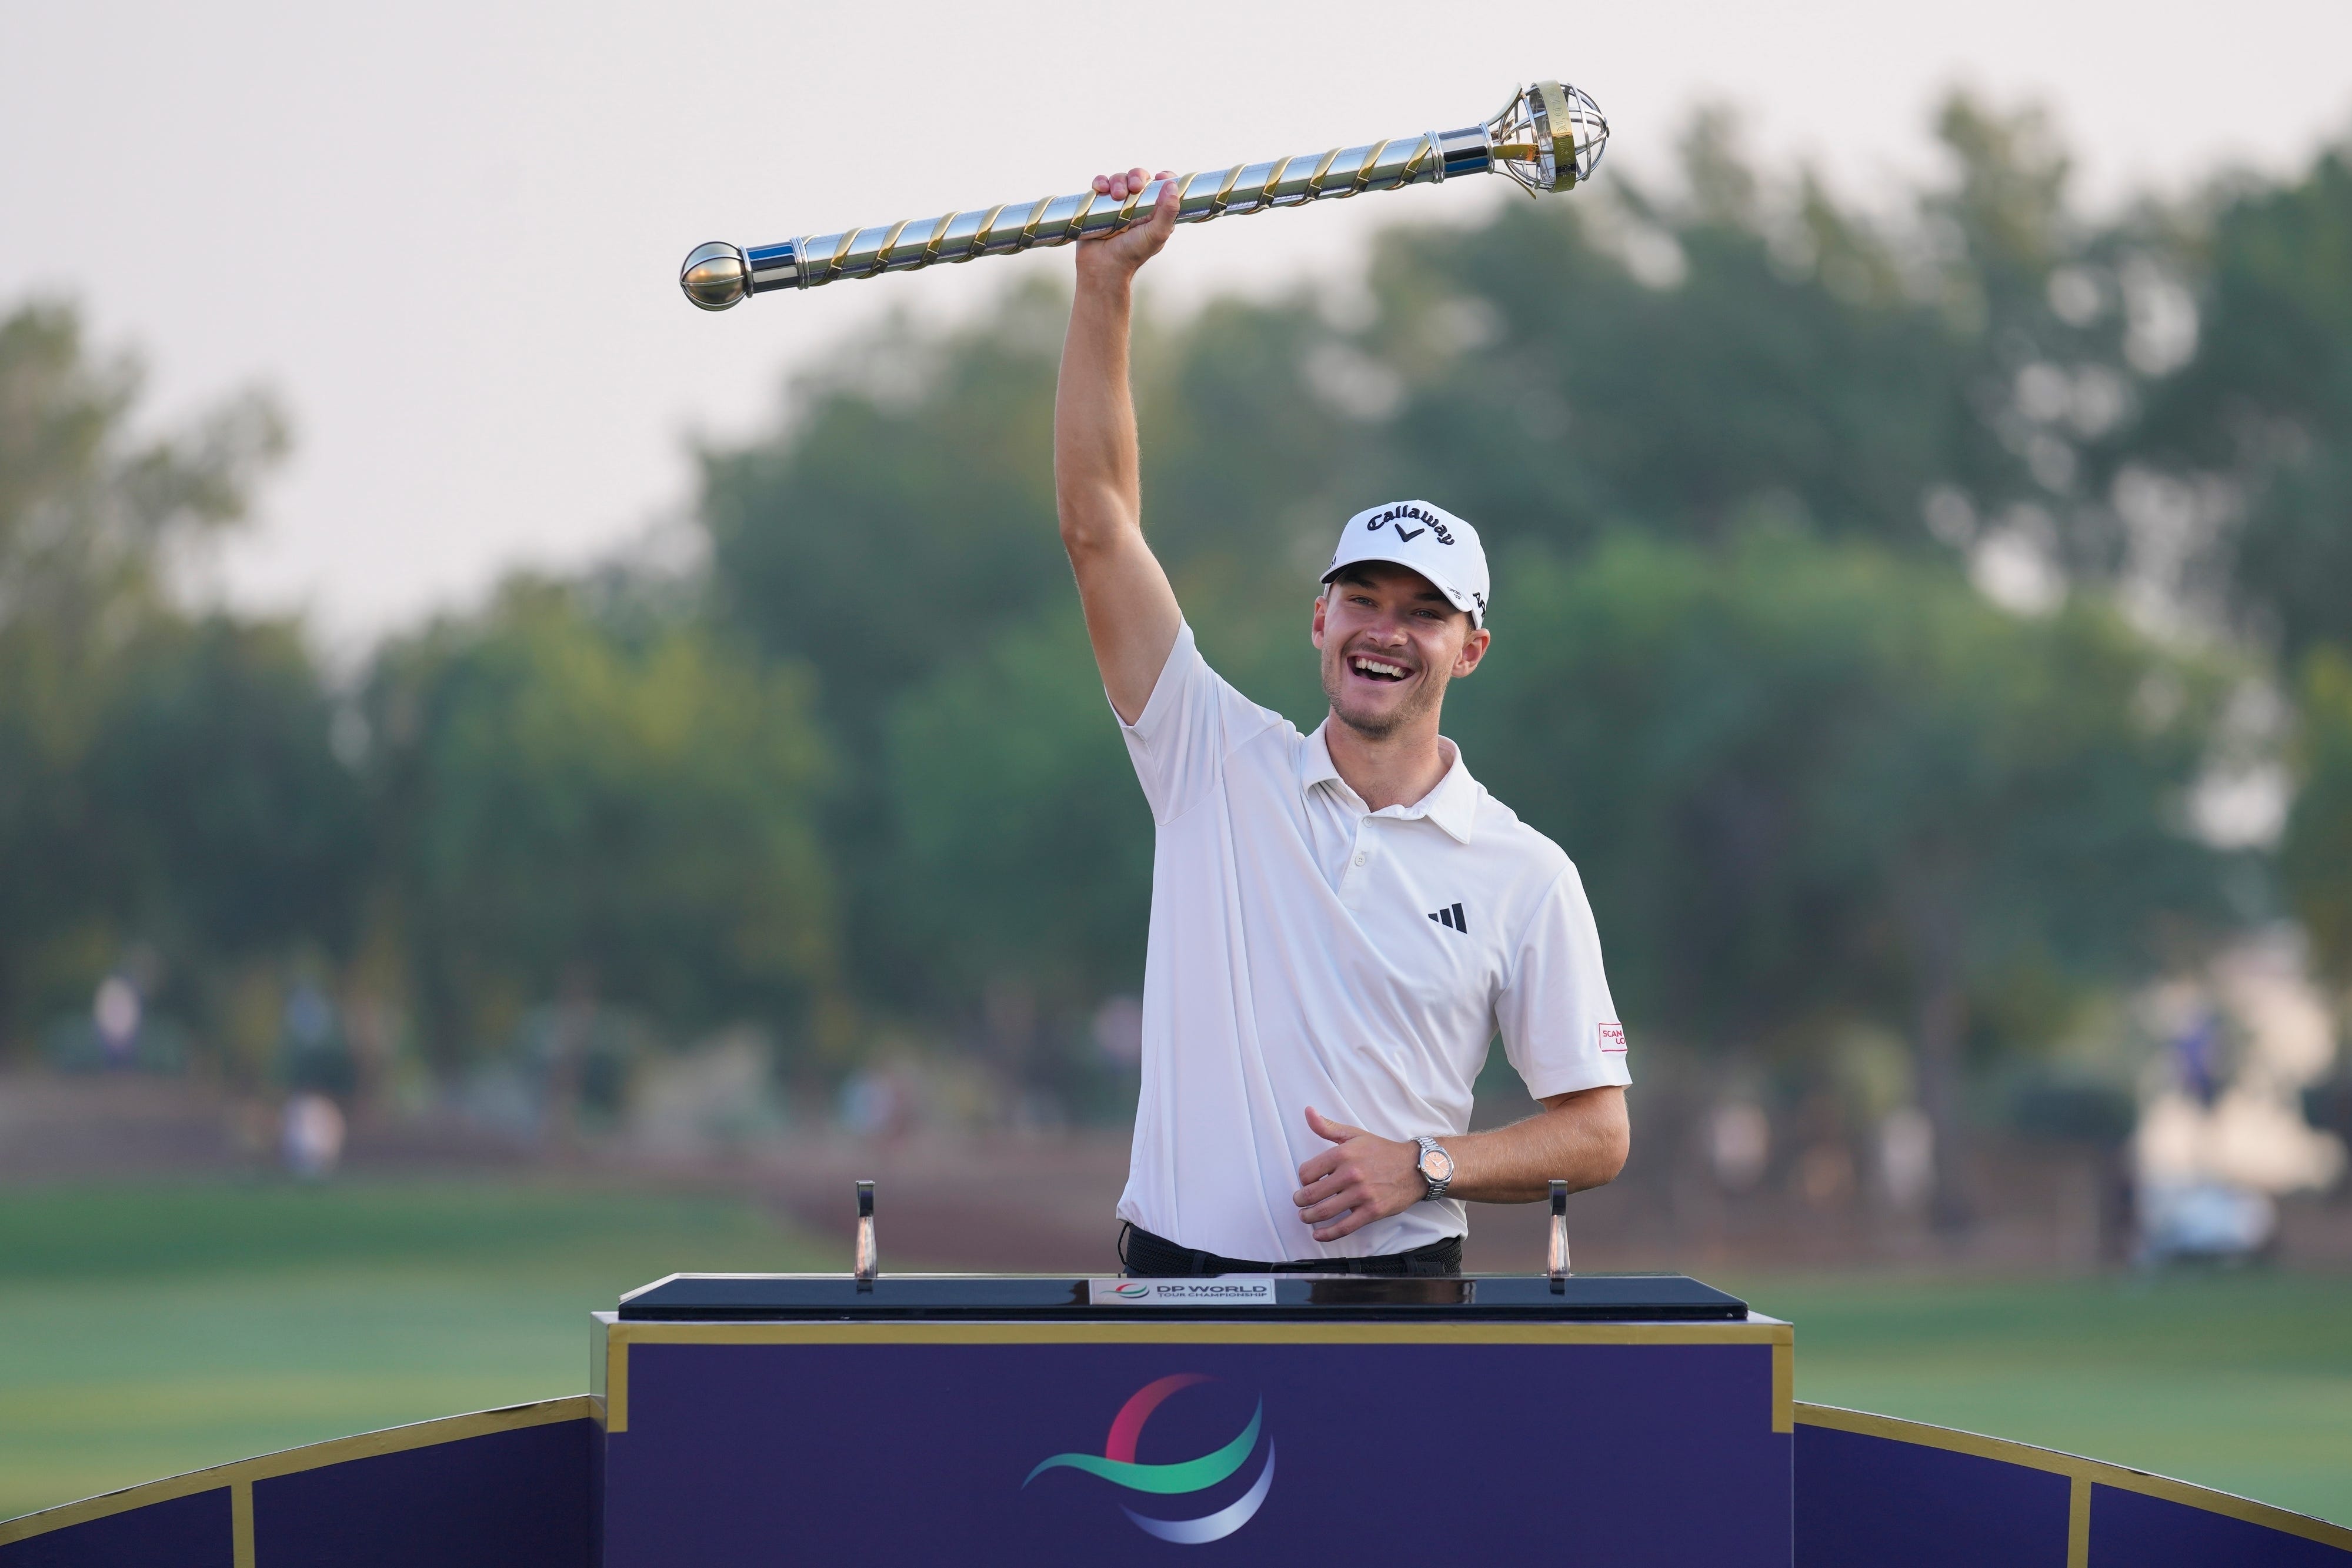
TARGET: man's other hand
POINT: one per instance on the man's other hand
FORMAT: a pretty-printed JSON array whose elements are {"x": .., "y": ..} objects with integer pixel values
[
  {"x": 1359, "y": 1180},
  {"x": 1119, "y": 254}
]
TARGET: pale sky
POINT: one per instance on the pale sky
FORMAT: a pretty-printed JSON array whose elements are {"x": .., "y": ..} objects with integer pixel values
[{"x": 448, "y": 235}]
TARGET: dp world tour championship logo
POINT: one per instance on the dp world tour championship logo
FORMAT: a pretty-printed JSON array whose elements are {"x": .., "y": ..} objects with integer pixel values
[{"x": 1117, "y": 1464}]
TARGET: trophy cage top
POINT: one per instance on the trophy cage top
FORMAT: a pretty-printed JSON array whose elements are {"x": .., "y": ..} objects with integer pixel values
[{"x": 1548, "y": 137}]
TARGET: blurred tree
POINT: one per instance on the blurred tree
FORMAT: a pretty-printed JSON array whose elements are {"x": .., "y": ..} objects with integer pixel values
[
  {"x": 566, "y": 811},
  {"x": 1026, "y": 847},
  {"x": 2266, "y": 403},
  {"x": 91, "y": 517},
  {"x": 1569, "y": 365},
  {"x": 232, "y": 827},
  {"x": 901, "y": 517},
  {"x": 87, "y": 514},
  {"x": 906, "y": 512},
  {"x": 2316, "y": 856},
  {"x": 1807, "y": 780}
]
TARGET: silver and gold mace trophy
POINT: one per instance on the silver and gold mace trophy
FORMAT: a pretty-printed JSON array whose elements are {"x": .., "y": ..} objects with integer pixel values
[{"x": 1547, "y": 138}]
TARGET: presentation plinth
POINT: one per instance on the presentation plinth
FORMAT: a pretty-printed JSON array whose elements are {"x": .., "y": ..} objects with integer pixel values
[{"x": 1626, "y": 1419}]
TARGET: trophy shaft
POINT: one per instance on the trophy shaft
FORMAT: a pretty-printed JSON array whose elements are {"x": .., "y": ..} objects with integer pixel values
[
  {"x": 814, "y": 259},
  {"x": 1544, "y": 140}
]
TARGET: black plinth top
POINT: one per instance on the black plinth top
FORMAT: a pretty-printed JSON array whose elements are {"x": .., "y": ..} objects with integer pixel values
[{"x": 1326, "y": 1298}]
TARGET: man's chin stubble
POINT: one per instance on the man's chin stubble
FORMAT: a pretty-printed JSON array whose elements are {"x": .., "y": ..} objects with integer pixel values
[{"x": 1371, "y": 727}]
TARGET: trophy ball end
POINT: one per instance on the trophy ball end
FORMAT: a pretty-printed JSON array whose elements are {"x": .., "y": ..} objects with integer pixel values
[{"x": 715, "y": 275}]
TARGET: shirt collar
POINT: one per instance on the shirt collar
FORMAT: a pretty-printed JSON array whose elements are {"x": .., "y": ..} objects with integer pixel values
[{"x": 1453, "y": 804}]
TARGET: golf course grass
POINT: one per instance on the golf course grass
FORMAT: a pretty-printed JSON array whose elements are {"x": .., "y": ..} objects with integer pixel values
[
  {"x": 153, "y": 1329},
  {"x": 2240, "y": 1381}
]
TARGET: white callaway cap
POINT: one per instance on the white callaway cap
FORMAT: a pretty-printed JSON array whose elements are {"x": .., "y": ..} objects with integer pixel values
[{"x": 1428, "y": 539}]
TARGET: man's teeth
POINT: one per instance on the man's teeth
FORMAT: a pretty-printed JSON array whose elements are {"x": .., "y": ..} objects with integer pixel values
[{"x": 1374, "y": 667}]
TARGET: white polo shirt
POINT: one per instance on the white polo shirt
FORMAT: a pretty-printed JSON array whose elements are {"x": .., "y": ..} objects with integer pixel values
[{"x": 1305, "y": 950}]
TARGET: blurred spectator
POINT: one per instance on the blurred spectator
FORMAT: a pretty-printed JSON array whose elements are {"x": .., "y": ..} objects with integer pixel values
[
  {"x": 115, "y": 1012},
  {"x": 1118, "y": 1031},
  {"x": 2196, "y": 1059},
  {"x": 311, "y": 1135},
  {"x": 1825, "y": 1175},
  {"x": 719, "y": 1095},
  {"x": 2221, "y": 1138},
  {"x": 874, "y": 1104},
  {"x": 120, "y": 1031},
  {"x": 311, "y": 1053},
  {"x": 1738, "y": 1143},
  {"x": 1906, "y": 1157}
]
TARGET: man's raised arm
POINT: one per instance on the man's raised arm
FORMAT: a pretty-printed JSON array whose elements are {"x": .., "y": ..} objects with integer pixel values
[{"x": 1131, "y": 612}]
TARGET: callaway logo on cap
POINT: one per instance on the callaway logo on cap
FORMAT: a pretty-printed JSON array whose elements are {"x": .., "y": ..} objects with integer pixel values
[{"x": 1427, "y": 539}]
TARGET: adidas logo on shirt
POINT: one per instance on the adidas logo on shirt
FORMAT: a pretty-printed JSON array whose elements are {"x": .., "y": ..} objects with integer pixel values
[{"x": 1451, "y": 918}]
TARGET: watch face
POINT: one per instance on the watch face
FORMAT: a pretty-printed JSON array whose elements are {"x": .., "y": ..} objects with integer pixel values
[{"x": 1437, "y": 1165}]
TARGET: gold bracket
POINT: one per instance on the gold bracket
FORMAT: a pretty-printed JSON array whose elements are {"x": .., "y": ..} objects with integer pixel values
[
  {"x": 882, "y": 257},
  {"x": 980, "y": 235}
]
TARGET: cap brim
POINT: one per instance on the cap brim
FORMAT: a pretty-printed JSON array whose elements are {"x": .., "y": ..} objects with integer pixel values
[{"x": 1453, "y": 596}]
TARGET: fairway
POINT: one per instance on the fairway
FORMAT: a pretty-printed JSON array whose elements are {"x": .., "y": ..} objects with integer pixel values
[
  {"x": 151, "y": 1330},
  {"x": 2239, "y": 1380}
]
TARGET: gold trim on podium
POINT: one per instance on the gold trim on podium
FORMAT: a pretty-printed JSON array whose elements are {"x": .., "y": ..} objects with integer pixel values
[
  {"x": 1756, "y": 1331},
  {"x": 2084, "y": 1474},
  {"x": 239, "y": 1475}
]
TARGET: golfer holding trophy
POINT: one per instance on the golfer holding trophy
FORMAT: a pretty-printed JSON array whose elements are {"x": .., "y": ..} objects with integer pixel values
[{"x": 1342, "y": 921}]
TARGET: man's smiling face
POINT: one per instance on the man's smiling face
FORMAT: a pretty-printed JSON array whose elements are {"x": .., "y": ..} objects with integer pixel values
[{"x": 1389, "y": 642}]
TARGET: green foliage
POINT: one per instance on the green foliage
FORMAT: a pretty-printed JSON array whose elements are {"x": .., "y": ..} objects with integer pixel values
[
  {"x": 1026, "y": 849},
  {"x": 1804, "y": 778},
  {"x": 1733, "y": 443},
  {"x": 1552, "y": 391},
  {"x": 897, "y": 523},
  {"x": 2266, "y": 403},
  {"x": 161, "y": 781},
  {"x": 2316, "y": 857},
  {"x": 568, "y": 810},
  {"x": 85, "y": 514},
  {"x": 234, "y": 828}
]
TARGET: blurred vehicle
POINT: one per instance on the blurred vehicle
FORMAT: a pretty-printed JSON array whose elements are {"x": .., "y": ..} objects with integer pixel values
[{"x": 2204, "y": 1221}]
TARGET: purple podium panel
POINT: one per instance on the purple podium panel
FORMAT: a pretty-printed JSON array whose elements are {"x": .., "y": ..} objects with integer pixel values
[
  {"x": 518, "y": 1498},
  {"x": 1056, "y": 1444},
  {"x": 1864, "y": 1500},
  {"x": 192, "y": 1532},
  {"x": 2129, "y": 1530}
]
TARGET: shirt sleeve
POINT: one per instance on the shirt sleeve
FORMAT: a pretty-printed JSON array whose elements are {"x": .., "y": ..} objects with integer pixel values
[
  {"x": 1560, "y": 1027},
  {"x": 1190, "y": 725}
]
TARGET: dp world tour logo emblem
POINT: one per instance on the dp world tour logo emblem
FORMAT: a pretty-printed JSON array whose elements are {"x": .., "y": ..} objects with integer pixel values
[{"x": 1117, "y": 1466}]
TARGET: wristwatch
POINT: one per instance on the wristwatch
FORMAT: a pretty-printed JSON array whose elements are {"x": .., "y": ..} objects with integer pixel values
[{"x": 1436, "y": 1166}]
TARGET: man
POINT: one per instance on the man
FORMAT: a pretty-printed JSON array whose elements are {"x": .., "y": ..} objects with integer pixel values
[{"x": 1340, "y": 922}]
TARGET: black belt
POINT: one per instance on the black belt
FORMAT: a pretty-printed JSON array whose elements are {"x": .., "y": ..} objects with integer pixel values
[{"x": 1149, "y": 1257}]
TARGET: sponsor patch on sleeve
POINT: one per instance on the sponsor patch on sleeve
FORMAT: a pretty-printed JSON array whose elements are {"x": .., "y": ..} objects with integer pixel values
[{"x": 1612, "y": 1037}]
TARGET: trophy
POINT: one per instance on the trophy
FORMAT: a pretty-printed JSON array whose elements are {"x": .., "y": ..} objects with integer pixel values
[{"x": 1548, "y": 137}]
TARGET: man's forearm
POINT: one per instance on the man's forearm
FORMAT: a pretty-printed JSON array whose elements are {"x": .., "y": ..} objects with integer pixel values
[
  {"x": 1581, "y": 1138},
  {"x": 1097, "y": 485},
  {"x": 1133, "y": 617}
]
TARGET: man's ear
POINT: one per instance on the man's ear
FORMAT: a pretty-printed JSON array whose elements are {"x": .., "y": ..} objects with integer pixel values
[
  {"x": 1473, "y": 648},
  {"x": 1315, "y": 628}
]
